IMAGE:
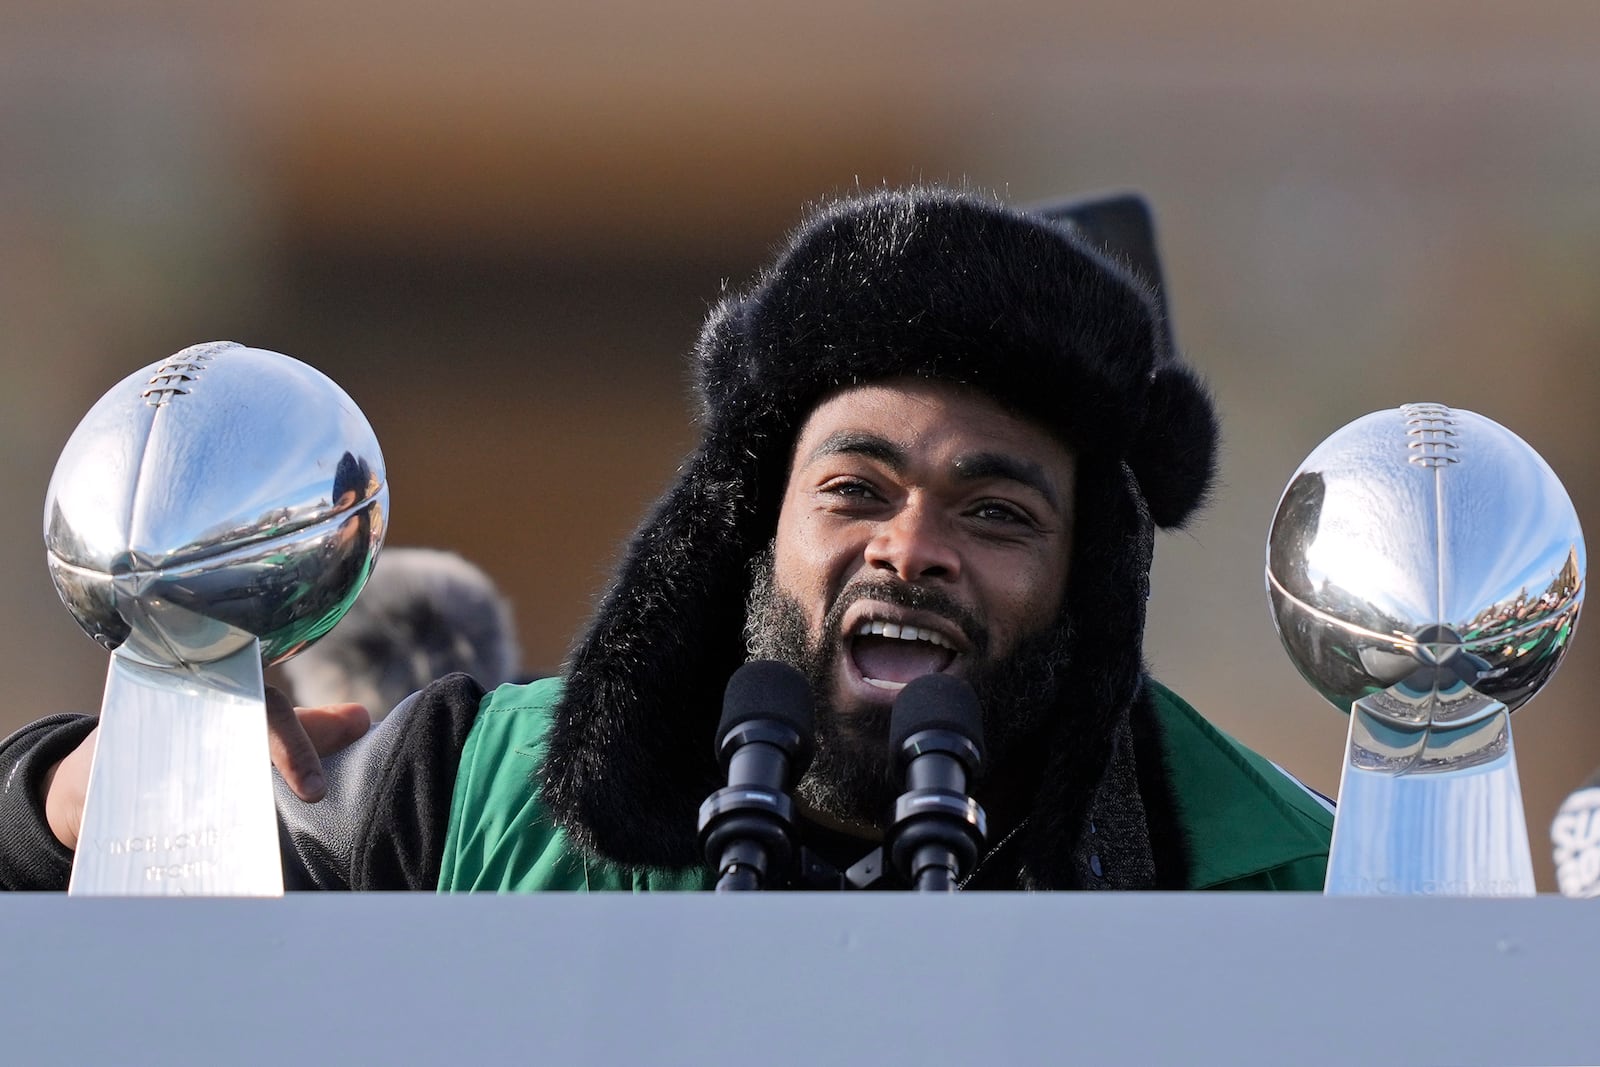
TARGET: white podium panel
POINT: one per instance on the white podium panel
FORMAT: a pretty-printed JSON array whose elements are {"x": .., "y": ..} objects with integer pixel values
[{"x": 800, "y": 978}]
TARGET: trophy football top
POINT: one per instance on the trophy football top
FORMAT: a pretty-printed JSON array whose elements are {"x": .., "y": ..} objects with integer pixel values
[
  {"x": 1429, "y": 554},
  {"x": 224, "y": 495}
]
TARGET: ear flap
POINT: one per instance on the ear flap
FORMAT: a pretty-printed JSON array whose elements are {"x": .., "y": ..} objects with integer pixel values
[
  {"x": 1107, "y": 590},
  {"x": 1174, "y": 453},
  {"x": 629, "y": 755}
]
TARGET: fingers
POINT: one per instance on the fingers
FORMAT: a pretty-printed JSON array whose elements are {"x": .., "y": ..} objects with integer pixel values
[
  {"x": 334, "y": 726},
  {"x": 299, "y": 737},
  {"x": 65, "y": 787},
  {"x": 294, "y": 753}
]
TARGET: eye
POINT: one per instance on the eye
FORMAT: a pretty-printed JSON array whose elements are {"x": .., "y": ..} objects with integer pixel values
[
  {"x": 850, "y": 496},
  {"x": 1000, "y": 512},
  {"x": 850, "y": 489}
]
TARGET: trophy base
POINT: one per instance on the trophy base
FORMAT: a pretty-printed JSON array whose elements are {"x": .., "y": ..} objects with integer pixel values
[
  {"x": 180, "y": 791},
  {"x": 1444, "y": 828}
]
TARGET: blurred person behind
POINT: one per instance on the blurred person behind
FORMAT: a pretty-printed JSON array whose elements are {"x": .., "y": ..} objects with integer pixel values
[{"x": 423, "y": 614}]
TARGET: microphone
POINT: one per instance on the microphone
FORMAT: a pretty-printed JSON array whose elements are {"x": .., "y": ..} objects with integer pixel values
[
  {"x": 1575, "y": 836},
  {"x": 764, "y": 746},
  {"x": 936, "y": 737}
]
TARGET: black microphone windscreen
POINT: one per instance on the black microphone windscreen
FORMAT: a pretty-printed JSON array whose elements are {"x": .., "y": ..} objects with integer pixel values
[
  {"x": 936, "y": 702},
  {"x": 767, "y": 689}
]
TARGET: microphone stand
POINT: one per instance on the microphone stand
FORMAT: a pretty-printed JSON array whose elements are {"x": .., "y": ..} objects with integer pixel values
[
  {"x": 747, "y": 827},
  {"x": 937, "y": 830}
]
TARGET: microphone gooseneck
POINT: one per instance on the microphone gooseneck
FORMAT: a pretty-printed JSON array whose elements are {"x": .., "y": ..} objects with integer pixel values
[
  {"x": 936, "y": 738},
  {"x": 764, "y": 745}
]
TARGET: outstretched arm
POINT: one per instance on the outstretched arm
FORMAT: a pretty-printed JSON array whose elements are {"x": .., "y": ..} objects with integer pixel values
[
  {"x": 358, "y": 808},
  {"x": 44, "y": 775},
  {"x": 298, "y": 738}
]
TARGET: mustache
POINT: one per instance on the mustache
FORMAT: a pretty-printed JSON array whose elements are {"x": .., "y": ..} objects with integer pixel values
[{"x": 905, "y": 595}]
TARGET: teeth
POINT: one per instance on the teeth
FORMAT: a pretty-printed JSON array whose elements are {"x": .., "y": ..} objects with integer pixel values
[
  {"x": 880, "y": 628},
  {"x": 893, "y": 687}
]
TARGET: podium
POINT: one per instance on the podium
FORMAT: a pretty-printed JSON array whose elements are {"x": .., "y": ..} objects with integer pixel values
[{"x": 800, "y": 978}]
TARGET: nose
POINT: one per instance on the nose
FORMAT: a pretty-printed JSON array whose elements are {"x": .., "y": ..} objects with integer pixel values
[{"x": 915, "y": 544}]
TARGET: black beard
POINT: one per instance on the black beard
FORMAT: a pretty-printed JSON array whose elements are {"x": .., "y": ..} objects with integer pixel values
[{"x": 852, "y": 776}]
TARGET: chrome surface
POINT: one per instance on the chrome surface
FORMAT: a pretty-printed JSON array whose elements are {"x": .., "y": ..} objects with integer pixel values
[
  {"x": 225, "y": 495},
  {"x": 212, "y": 513},
  {"x": 1428, "y": 556},
  {"x": 1461, "y": 833},
  {"x": 1426, "y": 571},
  {"x": 180, "y": 795}
]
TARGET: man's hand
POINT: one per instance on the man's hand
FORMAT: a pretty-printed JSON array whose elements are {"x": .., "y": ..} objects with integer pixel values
[{"x": 298, "y": 738}]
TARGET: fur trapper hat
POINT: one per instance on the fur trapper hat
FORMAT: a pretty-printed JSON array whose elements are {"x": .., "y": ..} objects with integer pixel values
[{"x": 922, "y": 282}]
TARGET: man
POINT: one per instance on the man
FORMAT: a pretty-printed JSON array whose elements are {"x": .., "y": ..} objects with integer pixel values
[{"x": 937, "y": 435}]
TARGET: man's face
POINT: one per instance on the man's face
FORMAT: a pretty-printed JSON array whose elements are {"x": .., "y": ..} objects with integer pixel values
[{"x": 924, "y": 528}]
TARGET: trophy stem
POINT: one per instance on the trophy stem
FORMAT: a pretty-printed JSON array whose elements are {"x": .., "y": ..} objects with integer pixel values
[
  {"x": 180, "y": 799},
  {"x": 1442, "y": 827}
]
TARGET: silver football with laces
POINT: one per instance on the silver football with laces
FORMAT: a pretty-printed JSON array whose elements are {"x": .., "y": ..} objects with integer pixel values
[
  {"x": 223, "y": 495},
  {"x": 1425, "y": 559}
]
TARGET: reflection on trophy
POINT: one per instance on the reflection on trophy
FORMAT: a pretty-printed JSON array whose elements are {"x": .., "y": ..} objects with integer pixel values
[
  {"x": 1425, "y": 569},
  {"x": 211, "y": 514}
]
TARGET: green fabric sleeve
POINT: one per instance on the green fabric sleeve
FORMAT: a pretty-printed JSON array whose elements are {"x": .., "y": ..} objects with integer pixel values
[
  {"x": 500, "y": 839},
  {"x": 1248, "y": 825}
]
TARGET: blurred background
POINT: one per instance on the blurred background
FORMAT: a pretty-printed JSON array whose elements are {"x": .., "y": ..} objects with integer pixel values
[{"x": 498, "y": 225}]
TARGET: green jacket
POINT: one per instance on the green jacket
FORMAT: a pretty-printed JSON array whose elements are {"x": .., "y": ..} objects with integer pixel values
[{"x": 1248, "y": 825}]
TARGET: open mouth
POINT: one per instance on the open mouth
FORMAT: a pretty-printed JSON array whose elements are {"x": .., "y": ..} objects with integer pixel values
[{"x": 887, "y": 655}]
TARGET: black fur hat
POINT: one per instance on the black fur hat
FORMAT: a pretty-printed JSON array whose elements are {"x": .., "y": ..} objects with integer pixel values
[{"x": 923, "y": 282}]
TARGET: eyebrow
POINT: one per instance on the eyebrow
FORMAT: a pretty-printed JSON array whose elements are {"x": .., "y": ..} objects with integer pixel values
[
  {"x": 861, "y": 443},
  {"x": 978, "y": 466},
  {"x": 972, "y": 467}
]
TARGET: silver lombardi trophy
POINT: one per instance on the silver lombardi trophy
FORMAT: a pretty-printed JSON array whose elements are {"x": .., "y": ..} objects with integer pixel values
[
  {"x": 211, "y": 514},
  {"x": 1426, "y": 570}
]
